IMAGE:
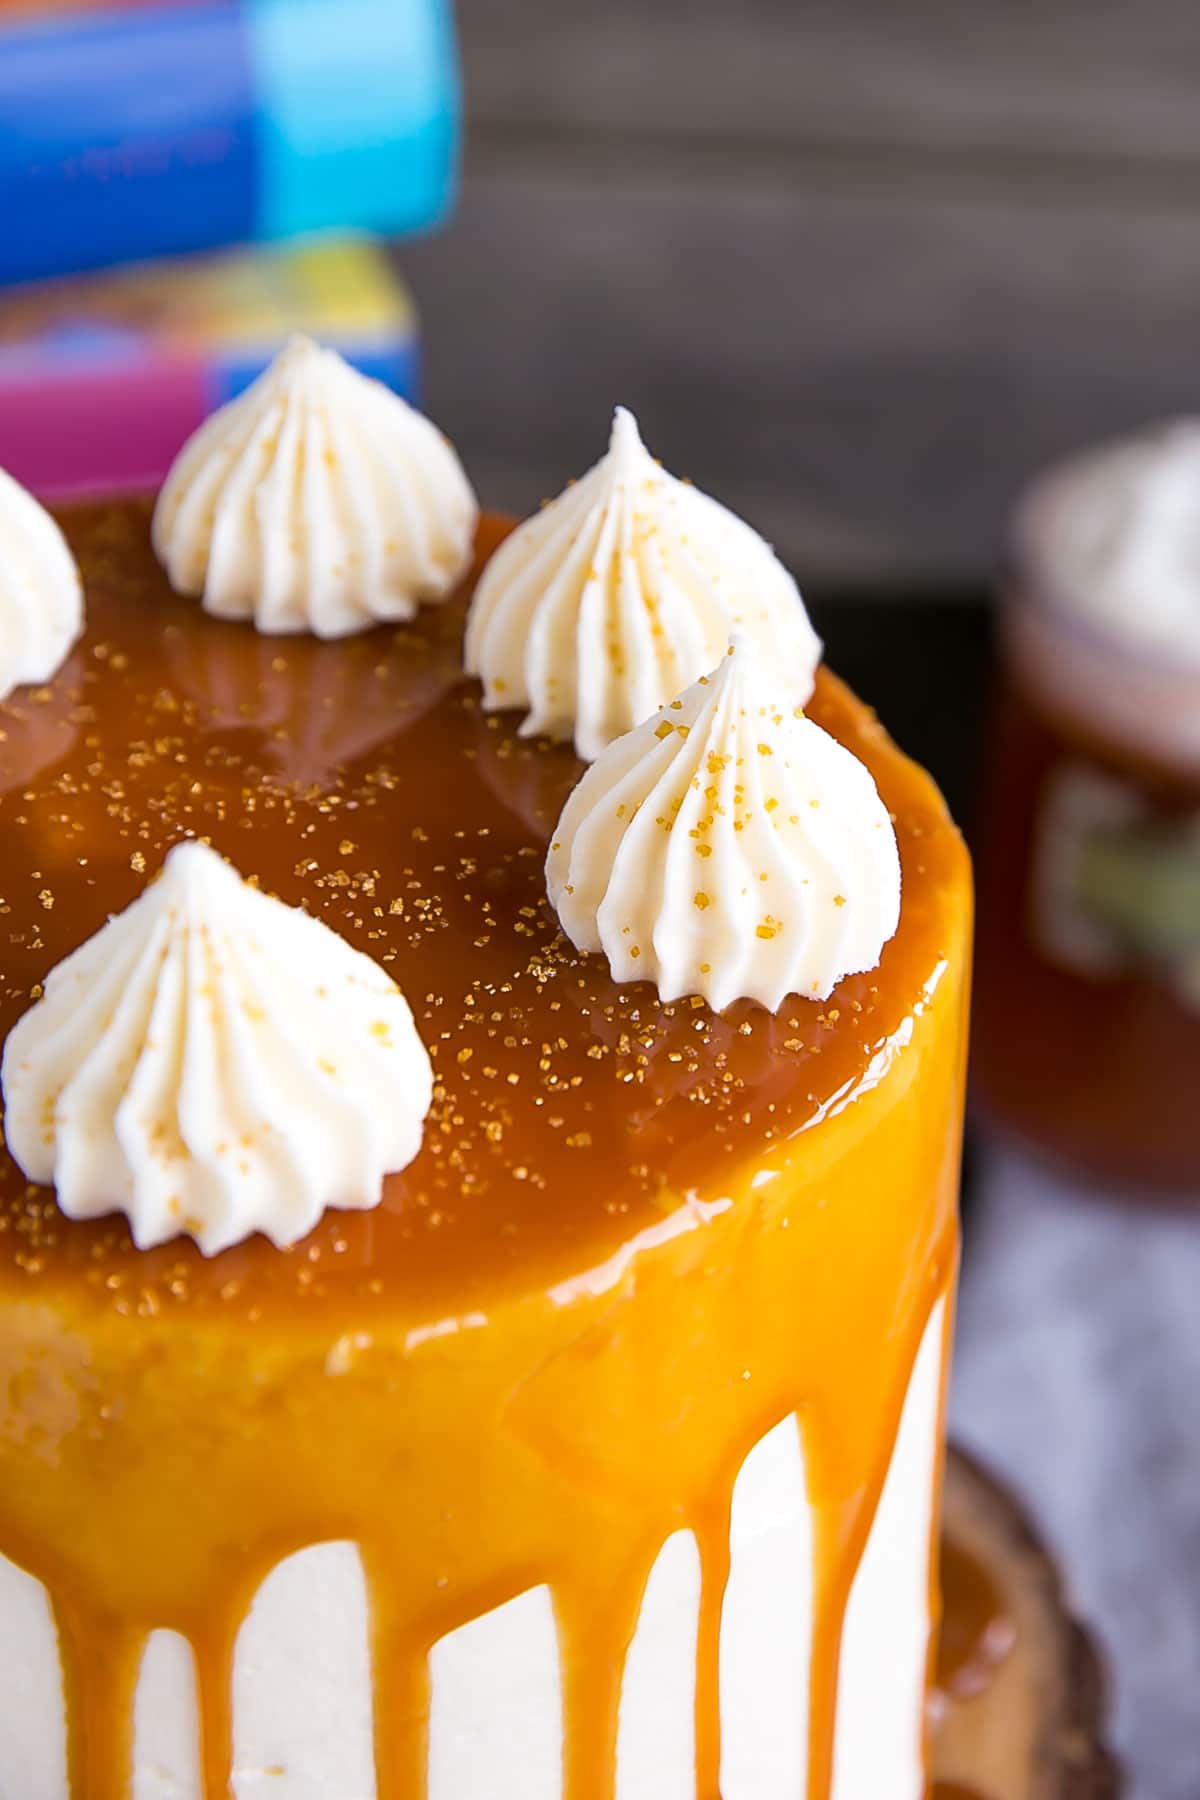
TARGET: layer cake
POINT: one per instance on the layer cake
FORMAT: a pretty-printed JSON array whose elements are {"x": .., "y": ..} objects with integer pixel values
[{"x": 601, "y": 1456}]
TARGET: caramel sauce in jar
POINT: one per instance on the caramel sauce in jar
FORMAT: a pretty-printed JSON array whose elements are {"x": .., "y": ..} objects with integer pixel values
[
  {"x": 636, "y": 1237},
  {"x": 1088, "y": 979}
]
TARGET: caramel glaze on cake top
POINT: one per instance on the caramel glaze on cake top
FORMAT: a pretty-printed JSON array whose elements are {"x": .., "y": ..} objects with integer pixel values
[{"x": 623, "y": 1253}]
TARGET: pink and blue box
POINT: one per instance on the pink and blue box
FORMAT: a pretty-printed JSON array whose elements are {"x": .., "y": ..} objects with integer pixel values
[{"x": 148, "y": 131}]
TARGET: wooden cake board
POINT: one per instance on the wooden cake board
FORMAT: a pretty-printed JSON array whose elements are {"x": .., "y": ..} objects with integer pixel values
[{"x": 1019, "y": 1706}]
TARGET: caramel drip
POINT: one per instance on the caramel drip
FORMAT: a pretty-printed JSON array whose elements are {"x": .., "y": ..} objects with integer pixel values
[
  {"x": 936, "y": 1587},
  {"x": 400, "y": 1673},
  {"x": 213, "y": 1640},
  {"x": 596, "y": 1626},
  {"x": 841, "y": 1533},
  {"x": 712, "y": 1537},
  {"x": 636, "y": 1238},
  {"x": 838, "y": 1544},
  {"x": 101, "y": 1658},
  {"x": 597, "y": 1620}
]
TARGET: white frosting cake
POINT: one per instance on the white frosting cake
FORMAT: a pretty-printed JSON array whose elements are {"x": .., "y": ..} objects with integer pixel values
[
  {"x": 528, "y": 1389},
  {"x": 303, "y": 1690}
]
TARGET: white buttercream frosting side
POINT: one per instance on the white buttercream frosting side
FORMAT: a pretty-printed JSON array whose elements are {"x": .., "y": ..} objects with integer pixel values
[
  {"x": 1116, "y": 532},
  {"x": 41, "y": 598},
  {"x": 619, "y": 593},
  {"x": 728, "y": 847},
  {"x": 317, "y": 501},
  {"x": 302, "y": 1692},
  {"x": 214, "y": 1062}
]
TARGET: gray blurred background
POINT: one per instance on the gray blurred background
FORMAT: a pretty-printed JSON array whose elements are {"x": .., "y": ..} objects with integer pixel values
[{"x": 859, "y": 268}]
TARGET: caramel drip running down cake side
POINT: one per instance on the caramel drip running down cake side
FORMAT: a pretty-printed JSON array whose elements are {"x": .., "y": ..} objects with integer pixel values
[{"x": 639, "y": 1237}]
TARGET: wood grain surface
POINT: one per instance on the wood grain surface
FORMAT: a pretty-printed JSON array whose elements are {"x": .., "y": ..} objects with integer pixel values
[
  {"x": 860, "y": 268},
  {"x": 1033, "y": 1725},
  {"x": 1102, "y": 80}
]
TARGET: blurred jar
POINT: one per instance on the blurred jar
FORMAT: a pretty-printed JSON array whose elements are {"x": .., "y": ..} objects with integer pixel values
[{"x": 1088, "y": 989}]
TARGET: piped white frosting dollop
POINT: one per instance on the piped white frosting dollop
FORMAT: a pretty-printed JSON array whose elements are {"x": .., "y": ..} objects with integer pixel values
[
  {"x": 318, "y": 500},
  {"x": 41, "y": 599},
  {"x": 728, "y": 847},
  {"x": 622, "y": 591},
  {"x": 214, "y": 1062},
  {"x": 1116, "y": 533}
]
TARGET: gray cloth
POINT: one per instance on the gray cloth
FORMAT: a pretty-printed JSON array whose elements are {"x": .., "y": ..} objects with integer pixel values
[{"x": 1078, "y": 1377}]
